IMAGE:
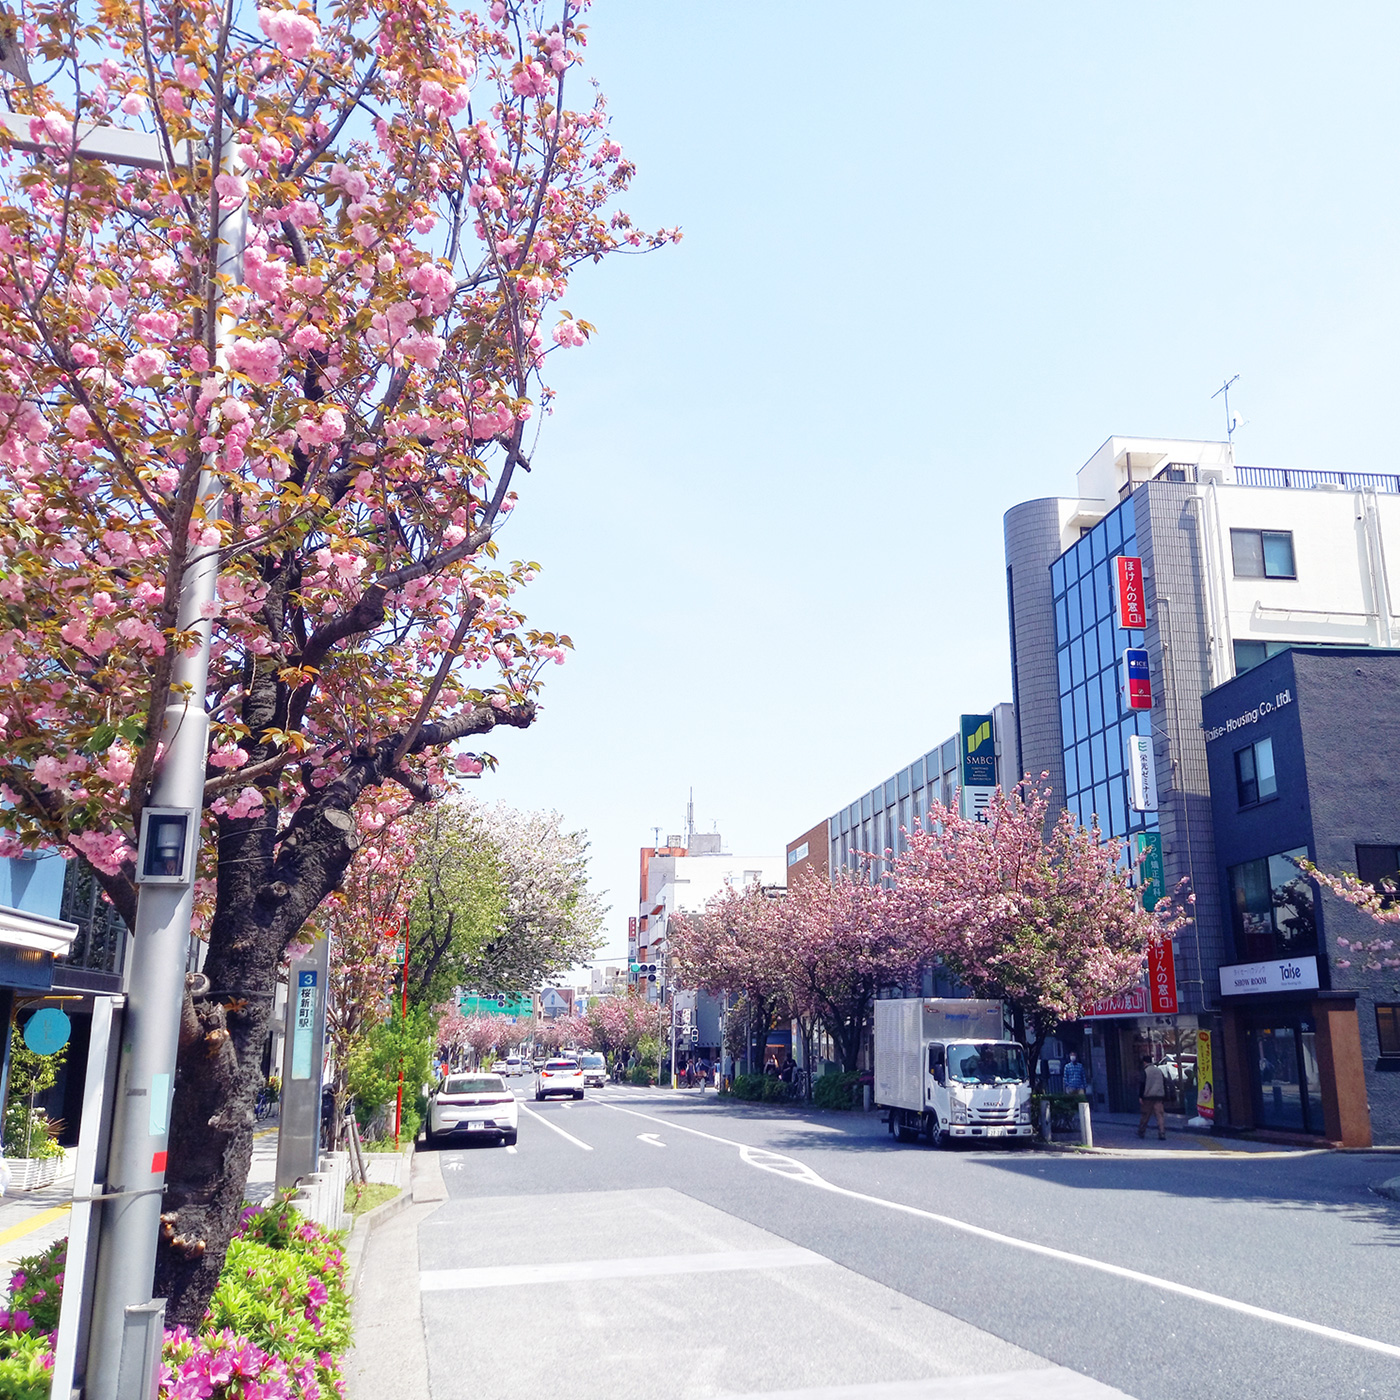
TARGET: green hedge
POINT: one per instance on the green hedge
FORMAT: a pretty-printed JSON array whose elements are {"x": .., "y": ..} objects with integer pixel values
[
  {"x": 1064, "y": 1111},
  {"x": 760, "y": 1088},
  {"x": 836, "y": 1090}
]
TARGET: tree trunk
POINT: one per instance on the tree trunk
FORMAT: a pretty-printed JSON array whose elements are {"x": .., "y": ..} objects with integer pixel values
[{"x": 223, "y": 1032}]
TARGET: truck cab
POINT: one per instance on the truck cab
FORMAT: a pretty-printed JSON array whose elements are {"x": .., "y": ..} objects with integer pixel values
[
  {"x": 976, "y": 1089},
  {"x": 945, "y": 1069}
]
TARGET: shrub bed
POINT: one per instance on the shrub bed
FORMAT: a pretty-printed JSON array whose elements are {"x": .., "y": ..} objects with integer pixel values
[
  {"x": 836, "y": 1090},
  {"x": 276, "y": 1327},
  {"x": 760, "y": 1088}
]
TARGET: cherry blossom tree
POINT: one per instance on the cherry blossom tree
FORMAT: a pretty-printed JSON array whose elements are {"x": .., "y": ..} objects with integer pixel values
[
  {"x": 618, "y": 1023},
  {"x": 343, "y": 423},
  {"x": 735, "y": 946},
  {"x": 1380, "y": 901},
  {"x": 1049, "y": 922},
  {"x": 503, "y": 900},
  {"x": 362, "y": 920},
  {"x": 840, "y": 944}
]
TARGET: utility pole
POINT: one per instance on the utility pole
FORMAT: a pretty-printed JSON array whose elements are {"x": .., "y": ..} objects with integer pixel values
[{"x": 127, "y": 1325}]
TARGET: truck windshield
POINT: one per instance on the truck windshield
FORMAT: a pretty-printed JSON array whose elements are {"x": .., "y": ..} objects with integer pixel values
[{"x": 986, "y": 1064}]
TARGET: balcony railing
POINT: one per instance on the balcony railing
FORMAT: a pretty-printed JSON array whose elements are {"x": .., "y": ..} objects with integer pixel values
[
  {"x": 1383, "y": 482},
  {"x": 96, "y": 956}
]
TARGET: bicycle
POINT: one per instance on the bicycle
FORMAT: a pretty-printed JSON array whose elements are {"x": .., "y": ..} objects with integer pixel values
[{"x": 262, "y": 1109}]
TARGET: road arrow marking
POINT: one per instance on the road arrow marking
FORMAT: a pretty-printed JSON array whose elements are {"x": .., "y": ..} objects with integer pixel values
[{"x": 650, "y": 1139}]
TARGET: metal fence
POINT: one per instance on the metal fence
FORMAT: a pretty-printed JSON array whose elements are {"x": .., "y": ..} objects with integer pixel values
[{"x": 1383, "y": 482}]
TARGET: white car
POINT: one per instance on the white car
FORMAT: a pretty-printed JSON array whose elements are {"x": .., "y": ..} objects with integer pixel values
[
  {"x": 559, "y": 1077},
  {"x": 595, "y": 1071},
  {"x": 514, "y": 1065},
  {"x": 472, "y": 1106}
]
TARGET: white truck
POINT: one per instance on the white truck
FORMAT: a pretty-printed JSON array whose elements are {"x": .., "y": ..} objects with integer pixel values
[{"x": 944, "y": 1068}]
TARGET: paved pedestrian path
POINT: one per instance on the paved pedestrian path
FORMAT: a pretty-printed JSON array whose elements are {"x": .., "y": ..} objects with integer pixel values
[{"x": 30, "y": 1221}]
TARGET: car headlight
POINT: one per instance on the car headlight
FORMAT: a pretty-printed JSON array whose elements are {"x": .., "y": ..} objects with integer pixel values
[
  {"x": 1023, "y": 1114},
  {"x": 959, "y": 1111}
]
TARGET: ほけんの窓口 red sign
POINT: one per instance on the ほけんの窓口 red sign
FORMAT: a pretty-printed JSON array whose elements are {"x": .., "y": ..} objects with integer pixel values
[{"x": 1132, "y": 605}]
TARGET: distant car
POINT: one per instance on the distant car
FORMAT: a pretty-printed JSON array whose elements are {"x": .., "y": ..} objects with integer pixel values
[
  {"x": 595, "y": 1071},
  {"x": 540, "y": 1062},
  {"x": 559, "y": 1077},
  {"x": 500, "y": 1067},
  {"x": 472, "y": 1106},
  {"x": 514, "y": 1065}
]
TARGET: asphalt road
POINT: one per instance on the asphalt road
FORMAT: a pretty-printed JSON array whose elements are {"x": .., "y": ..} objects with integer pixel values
[{"x": 695, "y": 1247}]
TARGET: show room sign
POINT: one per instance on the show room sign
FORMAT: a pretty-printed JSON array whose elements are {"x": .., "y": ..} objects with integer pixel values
[{"x": 1286, "y": 975}]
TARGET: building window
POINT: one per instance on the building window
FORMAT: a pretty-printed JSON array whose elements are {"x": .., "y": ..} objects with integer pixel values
[
  {"x": 1263, "y": 553},
  {"x": 1249, "y": 654},
  {"x": 1273, "y": 908},
  {"x": 1254, "y": 773},
  {"x": 1388, "y": 1029},
  {"x": 1380, "y": 866}
]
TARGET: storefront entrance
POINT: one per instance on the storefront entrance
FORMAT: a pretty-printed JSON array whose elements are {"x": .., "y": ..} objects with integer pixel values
[{"x": 1285, "y": 1083}]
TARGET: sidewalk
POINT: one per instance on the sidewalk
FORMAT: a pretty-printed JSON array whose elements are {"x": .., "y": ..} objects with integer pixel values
[
  {"x": 30, "y": 1221},
  {"x": 1115, "y": 1134}
]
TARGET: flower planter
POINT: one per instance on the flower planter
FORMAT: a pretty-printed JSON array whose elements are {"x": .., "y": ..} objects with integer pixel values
[{"x": 32, "y": 1173}]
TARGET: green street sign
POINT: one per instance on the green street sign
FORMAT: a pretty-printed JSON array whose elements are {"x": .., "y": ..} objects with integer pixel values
[
  {"x": 1151, "y": 874},
  {"x": 502, "y": 1004}
]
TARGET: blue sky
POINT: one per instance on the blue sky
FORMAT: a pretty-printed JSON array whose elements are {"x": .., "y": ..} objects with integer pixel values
[{"x": 934, "y": 255}]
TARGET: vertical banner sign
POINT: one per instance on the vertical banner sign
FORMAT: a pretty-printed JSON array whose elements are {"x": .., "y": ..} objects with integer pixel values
[
  {"x": 1161, "y": 977},
  {"x": 1128, "y": 596},
  {"x": 304, "y": 1024},
  {"x": 1205, "y": 1078},
  {"x": 1151, "y": 875},
  {"x": 1137, "y": 679},
  {"x": 979, "y": 765},
  {"x": 1142, "y": 773}
]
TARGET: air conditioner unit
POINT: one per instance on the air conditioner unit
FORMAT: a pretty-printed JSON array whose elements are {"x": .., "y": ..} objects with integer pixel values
[
  {"x": 1207, "y": 475},
  {"x": 1328, "y": 486}
]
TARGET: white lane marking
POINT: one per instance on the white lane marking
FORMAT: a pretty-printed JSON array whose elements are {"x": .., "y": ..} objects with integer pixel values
[
  {"x": 556, "y": 1128},
  {"x": 790, "y": 1167},
  {"x": 588, "y": 1270},
  {"x": 1051, "y": 1383},
  {"x": 512, "y": 1149},
  {"x": 650, "y": 1139}
]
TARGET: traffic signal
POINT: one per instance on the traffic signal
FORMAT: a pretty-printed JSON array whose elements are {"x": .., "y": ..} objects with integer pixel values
[{"x": 695, "y": 1035}]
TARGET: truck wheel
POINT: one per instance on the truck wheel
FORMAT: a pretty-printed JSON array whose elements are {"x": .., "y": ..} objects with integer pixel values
[
  {"x": 905, "y": 1133},
  {"x": 937, "y": 1135}
]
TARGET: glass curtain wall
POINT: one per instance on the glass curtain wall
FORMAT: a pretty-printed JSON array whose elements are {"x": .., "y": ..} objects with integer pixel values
[{"x": 1094, "y": 722}]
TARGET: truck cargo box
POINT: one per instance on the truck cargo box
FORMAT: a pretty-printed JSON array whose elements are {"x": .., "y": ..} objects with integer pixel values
[{"x": 903, "y": 1027}]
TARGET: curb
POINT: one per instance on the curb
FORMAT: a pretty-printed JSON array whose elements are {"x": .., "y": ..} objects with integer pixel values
[
  {"x": 364, "y": 1226},
  {"x": 1389, "y": 1189}
]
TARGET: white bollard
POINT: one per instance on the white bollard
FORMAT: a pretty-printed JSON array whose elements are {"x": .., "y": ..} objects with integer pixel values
[
  {"x": 1086, "y": 1128},
  {"x": 1046, "y": 1133}
]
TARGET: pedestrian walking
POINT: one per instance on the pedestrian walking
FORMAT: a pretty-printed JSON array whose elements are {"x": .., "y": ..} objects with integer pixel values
[
  {"x": 1152, "y": 1096},
  {"x": 1074, "y": 1080}
]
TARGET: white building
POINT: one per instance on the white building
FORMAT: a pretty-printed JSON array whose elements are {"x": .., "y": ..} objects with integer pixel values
[{"x": 682, "y": 878}]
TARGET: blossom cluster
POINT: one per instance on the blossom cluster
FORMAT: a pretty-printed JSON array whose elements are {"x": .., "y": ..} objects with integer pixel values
[{"x": 362, "y": 399}]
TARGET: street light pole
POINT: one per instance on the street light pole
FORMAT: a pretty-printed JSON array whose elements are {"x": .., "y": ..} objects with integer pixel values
[{"x": 126, "y": 1326}]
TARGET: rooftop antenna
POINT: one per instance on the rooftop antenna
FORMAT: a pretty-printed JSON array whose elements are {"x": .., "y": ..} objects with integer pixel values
[
  {"x": 690, "y": 820},
  {"x": 656, "y": 836},
  {"x": 1231, "y": 421}
]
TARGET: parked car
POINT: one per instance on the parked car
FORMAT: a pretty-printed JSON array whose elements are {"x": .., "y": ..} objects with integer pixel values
[
  {"x": 472, "y": 1106},
  {"x": 559, "y": 1077},
  {"x": 595, "y": 1071}
]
